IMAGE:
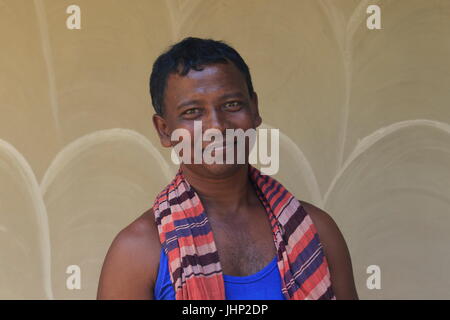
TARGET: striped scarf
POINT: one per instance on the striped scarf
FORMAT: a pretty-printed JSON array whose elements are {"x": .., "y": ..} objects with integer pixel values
[{"x": 187, "y": 239}]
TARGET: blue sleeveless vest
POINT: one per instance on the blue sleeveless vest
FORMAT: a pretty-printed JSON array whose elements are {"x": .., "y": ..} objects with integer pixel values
[{"x": 263, "y": 285}]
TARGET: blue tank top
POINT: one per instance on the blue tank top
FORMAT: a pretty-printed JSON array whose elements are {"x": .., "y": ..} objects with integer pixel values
[{"x": 263, "y": 285}]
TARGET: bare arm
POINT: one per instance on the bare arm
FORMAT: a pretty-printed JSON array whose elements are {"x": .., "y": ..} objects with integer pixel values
[
  {"x": 336, "y": 252},
  {"x": 130, "y": 267}
]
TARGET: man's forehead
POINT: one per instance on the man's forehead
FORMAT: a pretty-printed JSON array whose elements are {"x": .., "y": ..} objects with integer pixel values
[
  {"x": 212, "y": 78},
  {"x": 210, "y": 72}
]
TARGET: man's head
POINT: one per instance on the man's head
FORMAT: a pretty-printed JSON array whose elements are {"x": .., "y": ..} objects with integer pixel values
[
  {"x": 192, "y": 53},
  {"x": 202, "y": 80}
]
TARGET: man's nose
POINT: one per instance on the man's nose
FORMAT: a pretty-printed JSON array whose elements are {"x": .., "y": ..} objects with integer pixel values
[{"x": 215, "y": 120}]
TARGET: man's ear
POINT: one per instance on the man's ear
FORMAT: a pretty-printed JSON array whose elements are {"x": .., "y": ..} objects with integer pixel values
[
  {"x": 258, "y": 119},
  {"x": 162, "y": 129}
]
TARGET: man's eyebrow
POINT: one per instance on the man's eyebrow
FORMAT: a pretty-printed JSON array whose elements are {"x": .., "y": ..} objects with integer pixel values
[
  {"x": 237, "y": 94},
  {"x": 222, "y": 97},
  {"x": 188, "y": 102}
]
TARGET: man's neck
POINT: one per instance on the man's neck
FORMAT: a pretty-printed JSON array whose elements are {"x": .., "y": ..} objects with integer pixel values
[{"x": 223, "y": 196}]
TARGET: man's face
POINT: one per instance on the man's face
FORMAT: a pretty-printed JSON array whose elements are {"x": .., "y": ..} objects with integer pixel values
[{"x": 218, "y": 97}]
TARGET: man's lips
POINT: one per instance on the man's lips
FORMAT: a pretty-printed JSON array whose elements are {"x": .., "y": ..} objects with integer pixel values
[{"x": 219, "y": 146}]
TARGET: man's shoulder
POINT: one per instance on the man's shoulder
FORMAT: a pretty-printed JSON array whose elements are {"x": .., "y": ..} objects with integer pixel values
[
  {"x": 131, "y": 264},
  {"x": 319, "y": 217},
  {"x": 141, "y": 234},
  {"x": 133, "y": 257},
  {"x": 336, "y": 252},
  {"x": 325, "y": 225}
]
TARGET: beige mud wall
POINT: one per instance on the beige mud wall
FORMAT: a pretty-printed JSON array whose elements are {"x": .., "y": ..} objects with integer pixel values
[{"x": 364, "y": 116}]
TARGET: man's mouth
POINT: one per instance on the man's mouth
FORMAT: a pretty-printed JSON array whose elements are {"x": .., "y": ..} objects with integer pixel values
[{"x": 219, "y": 147}]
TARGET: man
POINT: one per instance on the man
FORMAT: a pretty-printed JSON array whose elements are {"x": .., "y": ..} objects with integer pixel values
[{"x": 217, "y": 210}]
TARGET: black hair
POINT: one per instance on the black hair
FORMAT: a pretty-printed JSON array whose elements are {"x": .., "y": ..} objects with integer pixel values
[{"x": 191, "y": 53}]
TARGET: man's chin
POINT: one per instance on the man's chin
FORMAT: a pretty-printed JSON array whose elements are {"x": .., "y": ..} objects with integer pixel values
[{"x": 216, "y": 170}]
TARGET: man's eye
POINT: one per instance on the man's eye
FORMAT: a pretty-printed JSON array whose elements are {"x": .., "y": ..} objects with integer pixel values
[
  {"x": 192, "y": 111},
  {"x": 233, "y": 105}
]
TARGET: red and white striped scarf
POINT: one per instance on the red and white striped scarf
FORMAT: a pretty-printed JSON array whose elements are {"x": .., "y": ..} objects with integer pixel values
[{"x": 187, "y": 239}]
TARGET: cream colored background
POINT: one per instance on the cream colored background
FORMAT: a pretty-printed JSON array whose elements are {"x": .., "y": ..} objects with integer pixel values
[{"x": 364, "y": 115}]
